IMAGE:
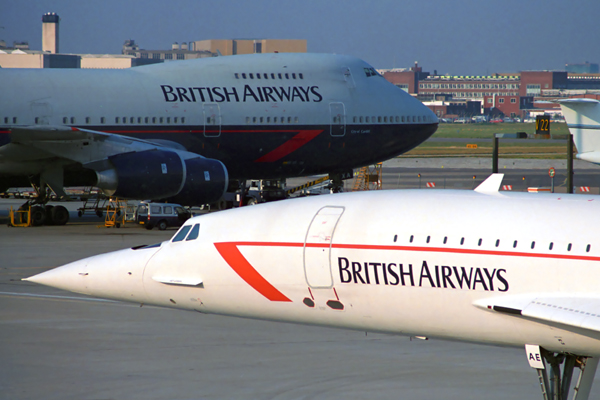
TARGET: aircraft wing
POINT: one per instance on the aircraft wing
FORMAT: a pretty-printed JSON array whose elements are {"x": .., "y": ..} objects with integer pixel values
[
  {"x": 73, "y": 144},
  {"x": 571, "y": 311}
]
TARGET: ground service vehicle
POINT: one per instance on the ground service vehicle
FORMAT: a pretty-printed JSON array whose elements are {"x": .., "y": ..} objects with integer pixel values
[{"x": 161, "y": 215}]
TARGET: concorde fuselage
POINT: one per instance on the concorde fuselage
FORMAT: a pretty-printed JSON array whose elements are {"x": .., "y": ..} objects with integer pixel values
[
  {"x": 405, "y": 262},
  {"x": 263, "y": 116}
]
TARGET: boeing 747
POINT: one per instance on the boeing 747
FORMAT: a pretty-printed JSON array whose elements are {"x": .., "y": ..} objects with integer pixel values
[{"x": 182, "y": 130}]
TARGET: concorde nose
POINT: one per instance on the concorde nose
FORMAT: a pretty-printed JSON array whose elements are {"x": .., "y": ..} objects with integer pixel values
[{"x": 117, "y": 275}]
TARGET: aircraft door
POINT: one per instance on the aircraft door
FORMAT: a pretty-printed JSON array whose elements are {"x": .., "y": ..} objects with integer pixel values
[
  {"x": 317, "y": 247},
  {"x": 338, "y": 119},
  {"x": 42, "y": 112},
  {"x": 212, "y": 120},
  {"x": 348, "y": 77}
]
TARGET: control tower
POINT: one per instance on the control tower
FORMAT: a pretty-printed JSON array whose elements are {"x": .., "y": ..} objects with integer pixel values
[{"x": 50, "y": 23}]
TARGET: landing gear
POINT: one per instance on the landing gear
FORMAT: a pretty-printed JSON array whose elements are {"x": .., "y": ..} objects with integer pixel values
[
  {"x": 337, "y": 180},
  {"x": 556, "y": 387}
]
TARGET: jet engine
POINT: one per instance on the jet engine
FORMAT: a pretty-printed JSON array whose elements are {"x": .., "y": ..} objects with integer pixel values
[{"x": 179, "y": 176}]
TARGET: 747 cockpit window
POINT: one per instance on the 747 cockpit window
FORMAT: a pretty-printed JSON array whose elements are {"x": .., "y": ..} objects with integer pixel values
[{"x": 370, "y": 72}]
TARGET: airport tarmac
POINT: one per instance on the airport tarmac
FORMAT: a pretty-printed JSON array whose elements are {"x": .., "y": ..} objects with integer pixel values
[{"x": 59, "y": 345}]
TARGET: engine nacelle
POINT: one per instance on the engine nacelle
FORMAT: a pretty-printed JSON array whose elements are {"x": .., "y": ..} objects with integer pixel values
[{"x": 182, "y": 177}]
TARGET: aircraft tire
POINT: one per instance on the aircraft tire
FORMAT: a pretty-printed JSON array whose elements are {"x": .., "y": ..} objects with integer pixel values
[
  {"x": 49, "y": 217},
  {"x": 60, "y": 215},
  {"x": 38, "y": 216}
]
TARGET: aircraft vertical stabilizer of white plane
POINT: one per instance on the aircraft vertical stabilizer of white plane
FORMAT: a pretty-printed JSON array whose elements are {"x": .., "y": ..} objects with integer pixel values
[
  {"x": 583, "y": 118},
  {"x": 483, "y": 266}
]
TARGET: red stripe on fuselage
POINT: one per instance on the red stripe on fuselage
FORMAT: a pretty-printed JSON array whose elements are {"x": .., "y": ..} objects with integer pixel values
[
  {"x": 449, "y": 250},
  {"x": 290, "y": 146},
  {"x": 231, "y": 254}
]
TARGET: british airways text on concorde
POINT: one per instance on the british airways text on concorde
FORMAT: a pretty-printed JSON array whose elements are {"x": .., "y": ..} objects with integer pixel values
[
  {"x": 394, "y": 274},
  {"x": 260, "y": 94}
]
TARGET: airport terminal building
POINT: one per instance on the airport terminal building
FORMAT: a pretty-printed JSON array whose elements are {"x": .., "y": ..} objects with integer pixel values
[
  {"x": 514, "y": 95},
  {"x": 21, "y": 56}
]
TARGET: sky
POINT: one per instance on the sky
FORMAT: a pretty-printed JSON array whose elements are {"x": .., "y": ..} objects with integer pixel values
[{"x": 460, "y": 37}]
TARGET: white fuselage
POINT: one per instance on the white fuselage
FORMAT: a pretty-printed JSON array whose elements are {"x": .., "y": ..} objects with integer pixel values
[{"x": 426, "y": 263}]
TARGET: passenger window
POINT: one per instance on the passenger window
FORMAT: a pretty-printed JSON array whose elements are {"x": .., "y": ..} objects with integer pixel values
[
  {"x": 587, "y": 249},
  {"x": 156, "y": 209},
  {"x": 182, "y": 233},
  {"x": 194, "y": 233},
  {"x": 480, "y": 241},
  {"x": 445, "y": 239},
  {"x": 532, "y": 245},
  {"x": 497, "y": 242},
  {"x": 237, "y": 76},
  {"x": 412, "y": 238},
  {"x": 266, "y": 76},
  {"x": 428, "y": 239},
  {"x": 569, "y": 247},
  {"x": 293, "y": 76},
  {"x": 395, "y": 238},
  {"x": 551, "y": 246},
  {"x": 244, "y": 76},
  {"x": 462, "y": 241},
  {"x": 257, "y": 76},
  {"x": 301, "y": 76},
  {"x": 251, "y": 76}
]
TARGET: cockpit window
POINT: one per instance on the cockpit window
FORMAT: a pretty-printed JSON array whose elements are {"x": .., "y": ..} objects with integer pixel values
[
  {"x": 193, "y": 233},
  {"x": 179, "y": 236},
  {"x": 370, "y": 72}
]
